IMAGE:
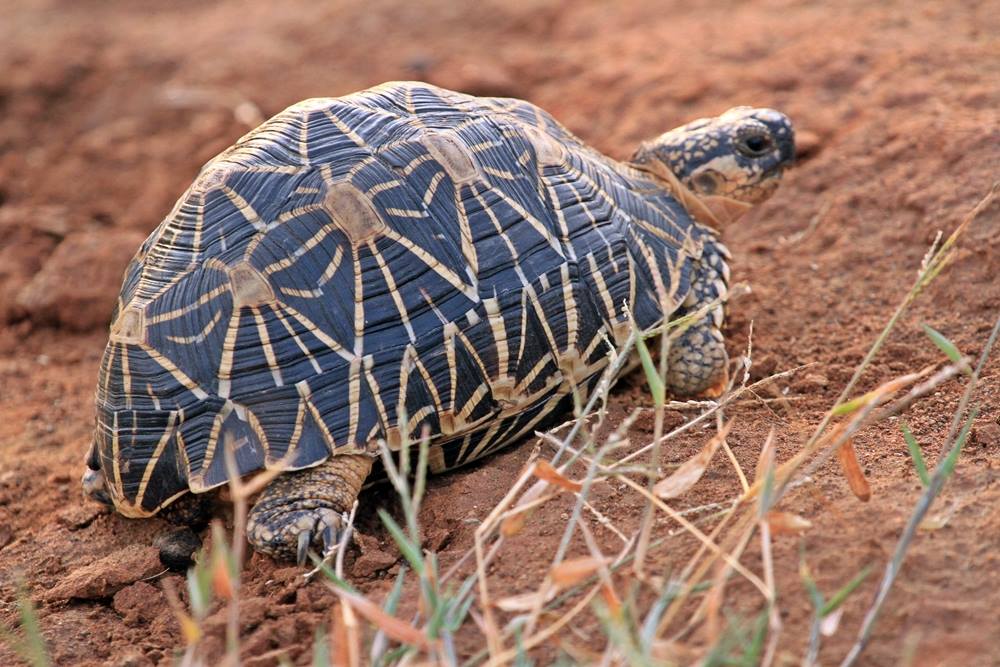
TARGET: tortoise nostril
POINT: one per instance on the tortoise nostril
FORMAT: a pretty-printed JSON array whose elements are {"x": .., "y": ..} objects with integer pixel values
[{"x": 706, "y": 183}]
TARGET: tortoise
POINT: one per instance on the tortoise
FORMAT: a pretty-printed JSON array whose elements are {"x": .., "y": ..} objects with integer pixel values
[{"x": 401, "y": 261}]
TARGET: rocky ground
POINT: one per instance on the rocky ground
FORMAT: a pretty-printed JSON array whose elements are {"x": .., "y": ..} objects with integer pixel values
[{"x": 108, "y": 109}]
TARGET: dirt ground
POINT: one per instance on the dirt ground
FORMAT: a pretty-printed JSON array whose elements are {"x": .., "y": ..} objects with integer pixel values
[{"x": 108, "y": 109}]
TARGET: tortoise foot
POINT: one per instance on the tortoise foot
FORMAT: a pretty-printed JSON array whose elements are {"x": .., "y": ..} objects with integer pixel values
[
  {"x": 719, "y": 388},
  {"x": 697, "y": 362},
  {"x": 307, "y": 509}
]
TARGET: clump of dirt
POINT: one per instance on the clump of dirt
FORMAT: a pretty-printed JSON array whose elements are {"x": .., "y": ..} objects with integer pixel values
[{"x": 109, "y": 110}]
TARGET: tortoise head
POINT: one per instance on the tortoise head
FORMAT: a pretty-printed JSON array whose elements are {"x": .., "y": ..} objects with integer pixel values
[{"x": 731, "y": 162}]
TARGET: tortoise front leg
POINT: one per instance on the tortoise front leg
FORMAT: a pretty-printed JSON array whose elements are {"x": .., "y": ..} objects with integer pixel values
[{"x": 302, "y": 509}]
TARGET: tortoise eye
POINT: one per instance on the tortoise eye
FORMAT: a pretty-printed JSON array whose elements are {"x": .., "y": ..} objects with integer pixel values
[{"x": 754, "y": 145}]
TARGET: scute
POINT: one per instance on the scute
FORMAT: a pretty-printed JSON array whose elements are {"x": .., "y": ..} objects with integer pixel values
[
  {"x": 352, "y": 212},
  {"x": 404, "y": 250}
]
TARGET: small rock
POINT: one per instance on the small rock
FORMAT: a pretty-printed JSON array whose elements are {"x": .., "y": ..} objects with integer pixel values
[
  {"x": 371, "y": 561},
  {"x": 812, "y": 381},
  {"x": 314, "y": 598},
  {"x": 253, "y": 611},
  {"x": 987, "y": 435},
  {"x": 132, "y": 658},
  {"x": 177, "y": 548},
  {"x": 139, "y": 603},
  {"x": 105, "y": 577}
]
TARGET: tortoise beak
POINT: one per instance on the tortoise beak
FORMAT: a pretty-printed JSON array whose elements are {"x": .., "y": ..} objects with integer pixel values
[{"x": 94, "y": 486}]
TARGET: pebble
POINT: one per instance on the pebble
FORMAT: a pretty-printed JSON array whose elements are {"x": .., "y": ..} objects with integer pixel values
[
  {"x": 106, "y": 576},
  {"x": 987, "y": 435}
]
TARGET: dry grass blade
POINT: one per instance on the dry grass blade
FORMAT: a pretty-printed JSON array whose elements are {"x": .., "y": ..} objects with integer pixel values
[
  {"x": 938, "y": 479},
  {"x": 689, "y": 472},
  {"x": 504, "y": 657},
  {"x": 393, "y": 627},
  {"x": 513, "y": 521},
  {"x": 715, "y": 407},
  {"x": 766, "y": 458},
  {"x": 852, "y": 471},
  {"x": 190, "y": 629},
  {"x": 704, "y": 539},
  {"x": 345, "y": 638},
  {"x": 524, "y": 601}
]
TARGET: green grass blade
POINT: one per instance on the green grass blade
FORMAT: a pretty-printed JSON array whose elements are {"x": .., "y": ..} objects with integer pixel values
[
  {"x": 521, "y": 659},
  {"x": 755, "y": 647},
  {"x": 950, "y": 350},
  {"x": 327, "y": 571},
  {"x": 840, "y": 596},
  {"x": 321, "y": 649},
  {"x": 948, "y": 464},
  {"x": 199, "y": 585},
  {"x": 807, "y": 580},
  {"x": 392, "y": 600},
  {"x": 32, "y": 648},
  {"x": 649, "y": 626},
  {"x": 850, "y": 406},
  {"x": 34, "y": 641},
  {"x": 410, "y": 551},
  {"x": 656, "y": 386},
  {"x": 915, "y": 454}
]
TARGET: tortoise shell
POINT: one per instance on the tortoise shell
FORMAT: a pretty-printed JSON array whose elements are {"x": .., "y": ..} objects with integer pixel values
[{"x": 405, "y": 250}]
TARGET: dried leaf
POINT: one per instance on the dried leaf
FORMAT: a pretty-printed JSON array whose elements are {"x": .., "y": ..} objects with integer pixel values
[
  {"x": 574, "y": 570},
  {"x": 828, "y": 626},
  {"x": 689, "y": 472},
  {"x": 222, "y": 582},
  {"x": 393, "y": 627},
  {"x": 544, "y": 471},
  {"x": 852, "y": 470},
  {"x": 786, "y": 523},
  {"x": 522, "y": 602}
]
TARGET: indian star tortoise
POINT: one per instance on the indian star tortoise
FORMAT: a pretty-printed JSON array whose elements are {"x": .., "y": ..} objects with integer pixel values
[{"x": 405, "y": 250}]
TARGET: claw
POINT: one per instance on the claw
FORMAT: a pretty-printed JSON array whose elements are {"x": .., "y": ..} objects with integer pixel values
[
  {"x": 331, "y": 538},
  {"x": 302, "y": 553}
]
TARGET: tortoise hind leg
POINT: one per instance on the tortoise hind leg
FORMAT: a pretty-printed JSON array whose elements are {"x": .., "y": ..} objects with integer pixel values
[
  {"x": 298, "y": 510},
  {"x": 697, "y": 361}
]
